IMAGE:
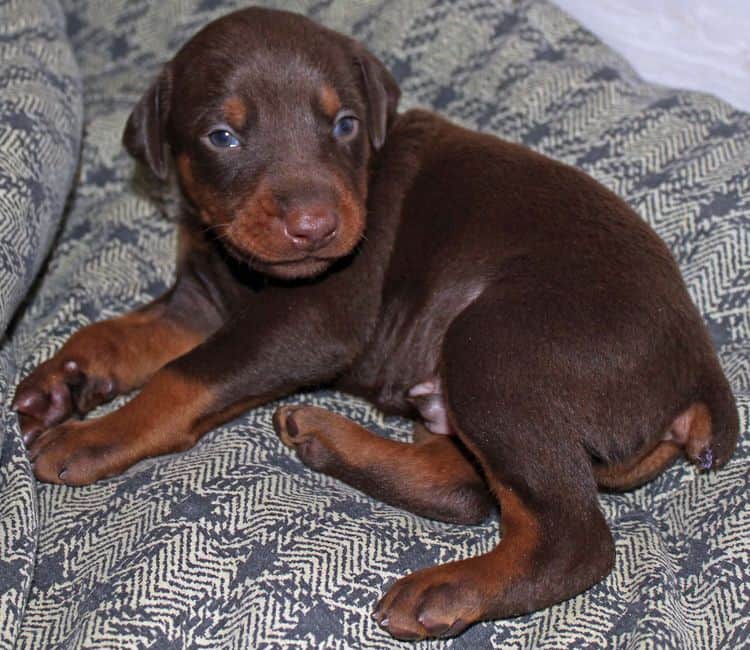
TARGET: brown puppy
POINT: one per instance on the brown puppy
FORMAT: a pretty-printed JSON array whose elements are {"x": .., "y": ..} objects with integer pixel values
[{"x": 532, "y": 324}]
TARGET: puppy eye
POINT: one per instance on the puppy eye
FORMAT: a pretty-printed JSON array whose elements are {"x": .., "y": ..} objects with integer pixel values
[
  {"x": 223, "y": 139},
  {"x": 345, "y": 127}
]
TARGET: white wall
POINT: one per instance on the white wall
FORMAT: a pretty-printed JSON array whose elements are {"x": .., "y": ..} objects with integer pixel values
[{"x": 697, "y": 44}]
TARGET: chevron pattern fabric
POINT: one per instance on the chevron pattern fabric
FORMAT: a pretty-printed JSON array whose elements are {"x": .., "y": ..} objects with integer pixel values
[
  {"x": 234, "y": 544},
  {"x": 41, "y": 114}
]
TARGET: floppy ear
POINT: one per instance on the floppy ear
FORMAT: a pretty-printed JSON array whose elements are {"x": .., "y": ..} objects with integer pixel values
[
  {"x": 144, "y": 136},
  {"x": 382, "y": 96}
]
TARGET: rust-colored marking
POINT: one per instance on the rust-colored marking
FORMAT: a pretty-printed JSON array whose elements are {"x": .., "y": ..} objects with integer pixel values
[
  {"x": 130, "y": 348},
  {"x": 185, "y": 170},
  {"x": 522, "y": 535},
  {"x": 433, "y": 478},
  {"x": 690, "y": 430},
  {"x": 235, "y": 111},
  {"x": 513, "y": 558},
  {"x": 639, "y": 470},
  {"x": 205, "y": 423},
  {"x": 330, "y": 100},
  {"x": 162, "y": 418},
  {"x": 201, "y": 196},
  {"x": 157, "y": 421}
]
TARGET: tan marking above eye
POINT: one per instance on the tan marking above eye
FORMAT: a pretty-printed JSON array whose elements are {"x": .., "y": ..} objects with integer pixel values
[
  {"x": 235, "y": 112},
  {"x": 330, "y": 100}
]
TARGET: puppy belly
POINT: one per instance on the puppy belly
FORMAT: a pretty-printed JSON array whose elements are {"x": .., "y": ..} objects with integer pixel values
[{"x": 427, "y": 397}]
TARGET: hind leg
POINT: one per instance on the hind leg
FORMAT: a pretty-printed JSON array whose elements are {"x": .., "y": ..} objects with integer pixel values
[
  {"x": 553, "y": 547},
  {"x": 555, "y": 541},
  {"x": 430, "y": 477}
]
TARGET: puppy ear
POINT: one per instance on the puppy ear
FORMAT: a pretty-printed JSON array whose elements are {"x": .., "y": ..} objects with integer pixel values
[
  {"x": 144, "y": 136},
  {"x": 382, "y": 96}
]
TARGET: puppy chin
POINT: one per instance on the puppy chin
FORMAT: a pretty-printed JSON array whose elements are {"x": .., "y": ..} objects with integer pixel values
[
  {"x": 305, "y": 268},
  {"x": 299, "y": 270}
]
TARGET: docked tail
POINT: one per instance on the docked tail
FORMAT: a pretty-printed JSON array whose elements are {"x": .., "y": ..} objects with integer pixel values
[
  {"x": 725, "y": 420},
  {"x": 706, "y": 432}
]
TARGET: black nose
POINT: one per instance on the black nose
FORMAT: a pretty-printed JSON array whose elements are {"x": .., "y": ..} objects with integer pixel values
[{"x": 310, "y": 228}]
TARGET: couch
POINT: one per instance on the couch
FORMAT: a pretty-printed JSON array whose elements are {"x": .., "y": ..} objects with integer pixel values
[{"x": 234, "y": 544}]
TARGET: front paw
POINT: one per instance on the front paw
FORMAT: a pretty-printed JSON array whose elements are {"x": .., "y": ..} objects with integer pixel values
[
  {"x": 76, "y": 453},
  {"x": 441, "y": 601},
  {"x": 57, "y": 388}
]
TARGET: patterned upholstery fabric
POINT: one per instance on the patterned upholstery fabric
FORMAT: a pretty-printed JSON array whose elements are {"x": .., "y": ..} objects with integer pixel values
[
  {"x": 40, "y": 128},
  {"x": 41, "y": 115},
  {"x": 234, "y": 544}
]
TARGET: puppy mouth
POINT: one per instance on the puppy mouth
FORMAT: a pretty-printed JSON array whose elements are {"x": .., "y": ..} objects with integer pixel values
[
  {"x": 299, "y": 265},
  {"x": 300, "y": 246},
  {"x": 307, "y": 268}
]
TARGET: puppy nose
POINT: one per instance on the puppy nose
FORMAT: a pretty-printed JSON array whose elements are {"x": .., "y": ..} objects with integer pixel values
[{"x": 311, "y": 228}]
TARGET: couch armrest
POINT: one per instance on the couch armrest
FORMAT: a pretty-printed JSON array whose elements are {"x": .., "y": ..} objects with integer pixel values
[{"x": 41, "y": 115}]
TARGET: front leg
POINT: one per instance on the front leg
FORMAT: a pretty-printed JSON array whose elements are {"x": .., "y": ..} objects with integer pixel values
[
  {"x": 259, "y": 356},
  {"x": 163, "y": 418},
  {"x": 113, "y": 357}
]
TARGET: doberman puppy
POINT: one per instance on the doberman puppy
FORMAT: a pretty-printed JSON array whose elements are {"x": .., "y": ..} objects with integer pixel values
[{"x": 536, "y": 329}]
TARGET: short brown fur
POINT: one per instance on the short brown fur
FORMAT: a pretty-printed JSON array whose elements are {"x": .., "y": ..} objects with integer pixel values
[{"x": 496, "y": 295}]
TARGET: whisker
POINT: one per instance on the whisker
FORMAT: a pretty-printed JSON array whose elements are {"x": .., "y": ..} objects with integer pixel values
[
  {"x": 218, "y": 230},
  {"x": 216, "y": 226}
]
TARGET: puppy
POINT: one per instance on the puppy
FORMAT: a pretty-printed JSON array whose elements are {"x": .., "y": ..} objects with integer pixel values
[{"x": 535, "y": 328}]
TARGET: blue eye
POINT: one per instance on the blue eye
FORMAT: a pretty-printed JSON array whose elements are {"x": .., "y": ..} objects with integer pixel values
[
  {"x": 223, "y": 139},
  {"x": 345, "y": 126}
]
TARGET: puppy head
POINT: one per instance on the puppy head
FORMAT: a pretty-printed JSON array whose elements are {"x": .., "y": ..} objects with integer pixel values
[{"x": 271, "y": 120}]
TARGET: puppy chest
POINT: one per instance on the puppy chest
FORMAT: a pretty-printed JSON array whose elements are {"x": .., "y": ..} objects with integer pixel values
[{"x": 405, "y": 347}]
